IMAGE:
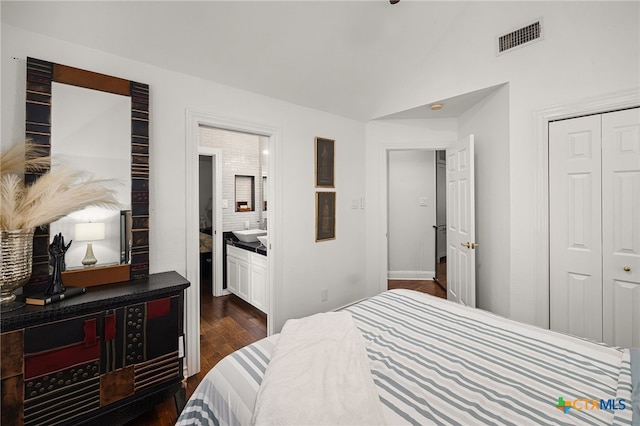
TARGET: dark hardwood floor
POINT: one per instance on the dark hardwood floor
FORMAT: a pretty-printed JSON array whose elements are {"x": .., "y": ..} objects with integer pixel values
[
  {"x": 228, "y": 323},
  {"x": 426, "y": 286},
  {"x": 434, "y": 288}
]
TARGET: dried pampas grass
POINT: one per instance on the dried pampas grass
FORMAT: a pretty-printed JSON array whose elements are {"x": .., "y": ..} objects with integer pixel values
[
  {"x": 21, "y": 157},
  {"x": 54, "y": 195}
]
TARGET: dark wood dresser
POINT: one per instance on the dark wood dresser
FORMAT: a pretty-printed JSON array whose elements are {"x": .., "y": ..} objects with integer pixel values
[{"x": 103, "y": 357}]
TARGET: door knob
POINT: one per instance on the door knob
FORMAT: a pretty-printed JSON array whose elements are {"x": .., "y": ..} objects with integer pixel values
[
  {"x": 469, "y": 245},
  {"x": 627, "y": 269}
]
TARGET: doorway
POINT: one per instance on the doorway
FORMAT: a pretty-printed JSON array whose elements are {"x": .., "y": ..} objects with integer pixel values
[
  {"x": 461, "y": 229},
  {"x": 440, "y": 227},
  {"x": 194, "y": 121},
  {"x": 415, "y": 246},
  {"x": 206, "y": 186},
  {"x": 235, "y": 195}
]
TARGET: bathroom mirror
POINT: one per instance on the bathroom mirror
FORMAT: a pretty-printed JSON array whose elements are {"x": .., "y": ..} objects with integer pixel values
[{"x": 51, "y": 86}]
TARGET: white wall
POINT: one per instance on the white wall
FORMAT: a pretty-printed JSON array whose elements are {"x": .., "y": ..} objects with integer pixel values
[
  {"x": 411, "y": 176},
  {"x": 382, "y": 137},
  {"x": 305, "y": 267},
  {"x": 489, "y": 122},
  {"x": 589, "y": 49}
]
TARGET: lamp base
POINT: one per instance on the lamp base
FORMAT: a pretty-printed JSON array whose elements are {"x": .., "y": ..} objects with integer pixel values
[{"x": 89, "y": 258}]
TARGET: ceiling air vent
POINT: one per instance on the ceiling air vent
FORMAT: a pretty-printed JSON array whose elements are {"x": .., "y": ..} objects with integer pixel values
[{"x": 520, "y": 37}]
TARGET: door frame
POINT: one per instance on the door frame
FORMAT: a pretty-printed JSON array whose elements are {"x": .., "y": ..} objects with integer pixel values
[
  {"x": 593, "y": 105},
  {"x": 383, "y": 242},
  {"x": 216, "y": 162},
  {"x": 193, "y": 120}
]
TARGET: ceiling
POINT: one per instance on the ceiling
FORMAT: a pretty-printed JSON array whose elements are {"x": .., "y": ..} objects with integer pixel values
[{"x": 342, "y": 57}]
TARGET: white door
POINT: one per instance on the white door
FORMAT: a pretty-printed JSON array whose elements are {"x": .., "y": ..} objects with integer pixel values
[
  {"x": 594, "y": 225},
  {"x": 461, "y": 226},
  {"x": 621, "y": 227},
  {"x": 575, "y": 263}
]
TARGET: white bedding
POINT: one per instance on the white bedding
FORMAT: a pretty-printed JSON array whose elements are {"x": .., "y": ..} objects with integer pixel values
[
  {"x": 436, "y": 362},
  {"x": 319, "y": 375}
]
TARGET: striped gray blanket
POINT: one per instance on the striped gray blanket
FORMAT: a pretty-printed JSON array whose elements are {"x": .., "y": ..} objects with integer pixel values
[{"x": 436, "y": 362}]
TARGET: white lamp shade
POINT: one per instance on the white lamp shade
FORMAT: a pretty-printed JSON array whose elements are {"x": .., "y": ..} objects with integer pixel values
[{"x": 89, "y": 231}]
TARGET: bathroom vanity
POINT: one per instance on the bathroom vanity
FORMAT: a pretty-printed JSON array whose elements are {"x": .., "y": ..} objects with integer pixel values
[{"x": 247, "y": 277}]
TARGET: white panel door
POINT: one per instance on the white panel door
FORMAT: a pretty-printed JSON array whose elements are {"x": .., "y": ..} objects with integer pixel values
[
  {"x": 575, "y": 248},
  {"x": 461, "y": 227},
  {"x": 621, "y": 227}
]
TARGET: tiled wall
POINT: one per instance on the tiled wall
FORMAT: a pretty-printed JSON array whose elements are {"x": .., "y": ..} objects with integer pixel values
[{"x": 242, "y": 154}]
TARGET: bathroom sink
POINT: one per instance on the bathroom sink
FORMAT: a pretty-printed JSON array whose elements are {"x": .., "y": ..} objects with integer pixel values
[
  {"x": 263, "y": 240},
  {"x": 249, "y": 235}
]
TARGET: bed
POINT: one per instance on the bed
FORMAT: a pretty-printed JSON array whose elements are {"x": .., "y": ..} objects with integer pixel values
[
  {"x": 206, "y": 242},
  {"x": 436, "y": 362}
]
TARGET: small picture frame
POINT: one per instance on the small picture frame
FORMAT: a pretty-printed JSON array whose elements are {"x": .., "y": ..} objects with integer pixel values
[
  {"x": 325, "y": 162},
  {"x": 325, "y": 216}
]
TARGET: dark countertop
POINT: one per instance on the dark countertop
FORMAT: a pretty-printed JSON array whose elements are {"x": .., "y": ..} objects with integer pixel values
[
  {"x": 254, "y": 247},
  {"x": 97, "y": 298}
]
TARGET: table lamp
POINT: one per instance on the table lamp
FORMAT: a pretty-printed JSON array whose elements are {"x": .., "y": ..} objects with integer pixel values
[{"x": 89, "y": 232}]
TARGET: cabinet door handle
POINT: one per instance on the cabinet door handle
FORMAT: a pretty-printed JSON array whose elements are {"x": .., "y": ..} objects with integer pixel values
[{"x": 627, "y": 269}]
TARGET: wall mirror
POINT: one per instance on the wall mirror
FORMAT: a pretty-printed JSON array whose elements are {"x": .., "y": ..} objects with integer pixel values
[
  {"x": 96, "y": 140},
  {"x": 97, "y": 123}
]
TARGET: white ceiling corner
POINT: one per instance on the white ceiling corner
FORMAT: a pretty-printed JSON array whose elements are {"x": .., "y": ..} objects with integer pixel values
[{"x": 341, "y": 57}]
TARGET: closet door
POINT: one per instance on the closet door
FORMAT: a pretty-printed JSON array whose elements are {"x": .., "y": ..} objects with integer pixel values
[
  {"x": 621, "y": 227},
  {"x": 575, "y": 227}
]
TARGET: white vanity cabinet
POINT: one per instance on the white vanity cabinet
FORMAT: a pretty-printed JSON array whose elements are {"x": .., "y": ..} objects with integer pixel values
[
  {"x": 238, "y": 272},
  {"x": 247, "y": 276},
  {"x": 258, "y": 272}
]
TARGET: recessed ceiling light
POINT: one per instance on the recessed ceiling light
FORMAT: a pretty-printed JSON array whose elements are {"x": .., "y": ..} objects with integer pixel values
[{"x": 436, "y": 107}]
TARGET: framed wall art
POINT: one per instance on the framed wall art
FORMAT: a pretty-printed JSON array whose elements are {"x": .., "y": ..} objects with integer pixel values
[
  {"x": 325, "y": 162},
  {"x": 325, "y": 216}
]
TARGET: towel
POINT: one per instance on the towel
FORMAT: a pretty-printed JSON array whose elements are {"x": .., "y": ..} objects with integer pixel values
[{"x": 319, "y": 375}]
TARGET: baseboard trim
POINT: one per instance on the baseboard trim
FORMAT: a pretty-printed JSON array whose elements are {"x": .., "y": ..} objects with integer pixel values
[
  {"x": 349, "y": 304},
  {"x": 411, "y": 275}
]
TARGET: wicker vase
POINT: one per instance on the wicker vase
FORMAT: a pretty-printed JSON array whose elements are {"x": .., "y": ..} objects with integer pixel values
[{"x": 16, "y": 251}]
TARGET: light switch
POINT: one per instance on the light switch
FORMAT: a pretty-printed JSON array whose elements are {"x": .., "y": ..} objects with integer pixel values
[
  {"x": 225, "y": 204},
  {"x": 355, "y": 203},
  {"x": 424, "y": 201}
]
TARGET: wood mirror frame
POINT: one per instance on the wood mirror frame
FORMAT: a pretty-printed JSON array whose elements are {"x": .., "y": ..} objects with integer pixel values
[{"x": 40, "y": 75}]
